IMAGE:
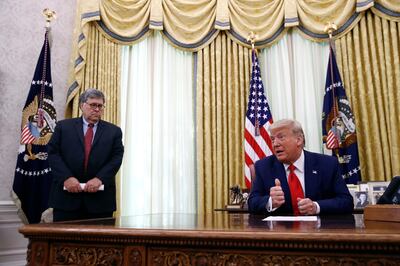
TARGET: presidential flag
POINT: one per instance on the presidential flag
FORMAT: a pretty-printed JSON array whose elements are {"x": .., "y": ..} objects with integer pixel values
[
  {"x": 338, "y": 124},
  {"x": 257, "y": 142},
  {"x": 33, "y": 176}
]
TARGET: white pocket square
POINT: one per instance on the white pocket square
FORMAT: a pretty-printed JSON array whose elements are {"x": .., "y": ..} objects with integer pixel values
[{"x": 314, "y": 172}]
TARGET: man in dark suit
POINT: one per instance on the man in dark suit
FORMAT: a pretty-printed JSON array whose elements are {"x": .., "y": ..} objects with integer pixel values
[
  {"x": 295, "y": 181},
  {"x": 85, "y": 154}
]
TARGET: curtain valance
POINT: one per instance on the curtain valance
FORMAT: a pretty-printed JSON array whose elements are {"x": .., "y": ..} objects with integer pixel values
[{"x": 191, "y": 25}]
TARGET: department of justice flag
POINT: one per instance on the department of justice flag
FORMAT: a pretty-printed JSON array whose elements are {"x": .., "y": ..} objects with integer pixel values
[
  {"x": 33, "y": 177},
  {"x": 257, "y": 142},
  {"x": 338, "y": 124}
]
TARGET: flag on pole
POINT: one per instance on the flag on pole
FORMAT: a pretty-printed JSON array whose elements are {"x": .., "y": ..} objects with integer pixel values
[
  {"x": 257, "y": 142},
  {"x": 338, "y": 124},
  {"x": 32, "y": 179}
]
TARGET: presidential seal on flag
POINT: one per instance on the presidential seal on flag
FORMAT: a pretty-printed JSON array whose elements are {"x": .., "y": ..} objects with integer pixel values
[
  {"x": 37, "y": 126},
  {"x": 340, "y": 126}
]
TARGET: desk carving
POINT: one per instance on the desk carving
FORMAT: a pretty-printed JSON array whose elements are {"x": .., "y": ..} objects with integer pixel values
[
  {"x": 66, "y": 254},
  {"x": 225, "y": 241},
  {"x": 187, "y": 257}
]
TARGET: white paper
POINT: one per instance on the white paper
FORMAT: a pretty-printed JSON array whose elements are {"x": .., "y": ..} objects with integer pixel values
[
  {"x": 84, "y": 184},
  {"x": 291, "y": 218}
]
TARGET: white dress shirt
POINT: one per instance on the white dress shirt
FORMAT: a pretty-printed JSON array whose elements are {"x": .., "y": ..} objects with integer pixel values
[{"x": 299, "y": 171}]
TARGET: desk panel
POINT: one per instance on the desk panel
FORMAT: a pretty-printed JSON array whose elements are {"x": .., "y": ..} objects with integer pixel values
[{"x": 219, "y": 238}]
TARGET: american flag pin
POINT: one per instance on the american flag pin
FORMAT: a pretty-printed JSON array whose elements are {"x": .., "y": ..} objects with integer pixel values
[{"x": 314, "y": 172}]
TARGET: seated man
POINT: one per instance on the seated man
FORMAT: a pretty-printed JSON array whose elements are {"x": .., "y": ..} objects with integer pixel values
[{"x": 295, "y": 181}]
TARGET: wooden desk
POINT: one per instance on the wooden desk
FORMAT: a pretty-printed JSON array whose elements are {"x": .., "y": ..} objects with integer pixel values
[{"x": 219, "y": 238}]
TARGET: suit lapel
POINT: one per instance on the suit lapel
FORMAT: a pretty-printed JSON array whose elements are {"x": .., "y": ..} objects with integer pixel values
[
  {"x": 310, "y": 175},
  {"x": 99, "y": 132},
  {"x": 79, "y": 129}
]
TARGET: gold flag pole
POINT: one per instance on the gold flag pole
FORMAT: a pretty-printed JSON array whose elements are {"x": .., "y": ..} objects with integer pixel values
[
  {"x": 49, "y": 16},
  {"x": 252, "y": 39},
  {"x": 330, "y": 28}
]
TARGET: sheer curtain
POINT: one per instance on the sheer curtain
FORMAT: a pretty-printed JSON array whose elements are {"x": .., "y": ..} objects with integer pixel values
[
  {"x": 157, "y": 117},
  {"x": 293, "y": 72}
]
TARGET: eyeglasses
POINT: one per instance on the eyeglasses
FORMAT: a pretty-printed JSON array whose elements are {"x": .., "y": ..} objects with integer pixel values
[{"x": 95, "y": 106}]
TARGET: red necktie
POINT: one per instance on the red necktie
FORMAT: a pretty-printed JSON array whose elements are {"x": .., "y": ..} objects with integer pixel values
[
  {"x": 296, "y": 191},
  {"x": 88, "y": 143}
]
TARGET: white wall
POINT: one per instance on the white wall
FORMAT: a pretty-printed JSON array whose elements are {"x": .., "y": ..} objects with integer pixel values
[
  {"x": 21, "y": 38},
  {"x": 12, "y": 245}
]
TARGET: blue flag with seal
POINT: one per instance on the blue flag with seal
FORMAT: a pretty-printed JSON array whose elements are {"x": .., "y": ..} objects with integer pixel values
[
  {"x": 33, "y": 177},
  {"x": 338, "y": 124}
]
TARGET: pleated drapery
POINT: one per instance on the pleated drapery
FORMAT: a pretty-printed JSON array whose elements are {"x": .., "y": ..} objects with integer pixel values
[
  {"x": 223, "y": 78},
  {"x": 192, "y": 25},
  {"x": 101, "y": 71}
]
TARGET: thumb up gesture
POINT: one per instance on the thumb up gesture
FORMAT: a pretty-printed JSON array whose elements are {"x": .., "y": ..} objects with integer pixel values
[{"x": 276, "y": 194}]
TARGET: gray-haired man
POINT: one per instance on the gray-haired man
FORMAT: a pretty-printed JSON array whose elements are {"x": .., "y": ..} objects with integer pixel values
[{"x": 85, "y": 154}]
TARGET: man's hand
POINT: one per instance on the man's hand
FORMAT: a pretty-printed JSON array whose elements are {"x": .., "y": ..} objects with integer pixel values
[
  {"x": 72, "y": 185},
  {"x": 93, "y": 185},
  {"x": 306, "y": 206},
  {"x": 276, "y": 194}
]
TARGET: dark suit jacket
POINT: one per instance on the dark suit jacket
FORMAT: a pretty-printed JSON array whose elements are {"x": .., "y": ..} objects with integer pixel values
[
  {"x": 323, "y": 184},
  {"x": 66, "y": 156}
]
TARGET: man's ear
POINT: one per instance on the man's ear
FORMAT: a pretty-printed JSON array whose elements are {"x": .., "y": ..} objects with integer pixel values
[{"x": 299, "y": 141}]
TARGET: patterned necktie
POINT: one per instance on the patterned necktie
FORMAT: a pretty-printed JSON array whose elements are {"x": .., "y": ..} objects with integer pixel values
[
  {"x": 88, "y": 143},
  {"x": 296, "y": 191}
]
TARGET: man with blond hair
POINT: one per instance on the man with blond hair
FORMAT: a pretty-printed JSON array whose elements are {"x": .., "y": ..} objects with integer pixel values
[{"x": 296, "y": 181}]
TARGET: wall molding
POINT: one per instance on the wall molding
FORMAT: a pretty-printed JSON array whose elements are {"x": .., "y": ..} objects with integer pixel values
[{"x": 13, "y": 246}]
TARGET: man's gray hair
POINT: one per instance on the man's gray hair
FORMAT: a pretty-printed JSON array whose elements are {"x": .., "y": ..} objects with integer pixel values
[
  {"x": 292, "y": 124},
  {"x": 91, "y": 93}
]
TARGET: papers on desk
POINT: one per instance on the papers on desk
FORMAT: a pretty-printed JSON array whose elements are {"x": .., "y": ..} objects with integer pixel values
[
  {"x": 101, "y": 188},
  {"x": 291, "y": 218}
]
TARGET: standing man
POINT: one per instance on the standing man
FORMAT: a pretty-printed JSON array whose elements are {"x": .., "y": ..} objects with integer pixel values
[
  {"x": 295, "y": 181},
  {"x": 85, "y": 154}
]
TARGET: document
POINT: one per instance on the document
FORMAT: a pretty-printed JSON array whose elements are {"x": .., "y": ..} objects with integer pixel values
[
  {"x": 291, "y": 218},
  {"x": 84, "y": 184}
]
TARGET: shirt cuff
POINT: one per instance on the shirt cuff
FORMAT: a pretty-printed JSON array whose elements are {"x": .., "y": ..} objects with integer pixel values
[
  {"x": 317, "y": 206},
  {"x": 269, "y": 206}
]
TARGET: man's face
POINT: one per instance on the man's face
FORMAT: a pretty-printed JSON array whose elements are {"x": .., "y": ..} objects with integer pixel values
[
  {"x": 286, "y": 145},
  {"x": 92, "y": 109},
  {"x": 363, "y": 197}
]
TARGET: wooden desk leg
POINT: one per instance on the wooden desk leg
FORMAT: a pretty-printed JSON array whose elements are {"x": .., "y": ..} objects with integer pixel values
[{"x": 38, "y": 253}]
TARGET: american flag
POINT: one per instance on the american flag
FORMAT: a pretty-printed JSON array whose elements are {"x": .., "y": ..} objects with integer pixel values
[{"x": 257, "y": 143}]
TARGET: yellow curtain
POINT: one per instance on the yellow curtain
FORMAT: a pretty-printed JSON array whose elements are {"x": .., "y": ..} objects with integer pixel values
[
  {"x": 102, "y": 71},
  {"x": 192, "y": 25},
  {"x": 369, "y": 59},
  {"x": 223, "y": 72}
]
